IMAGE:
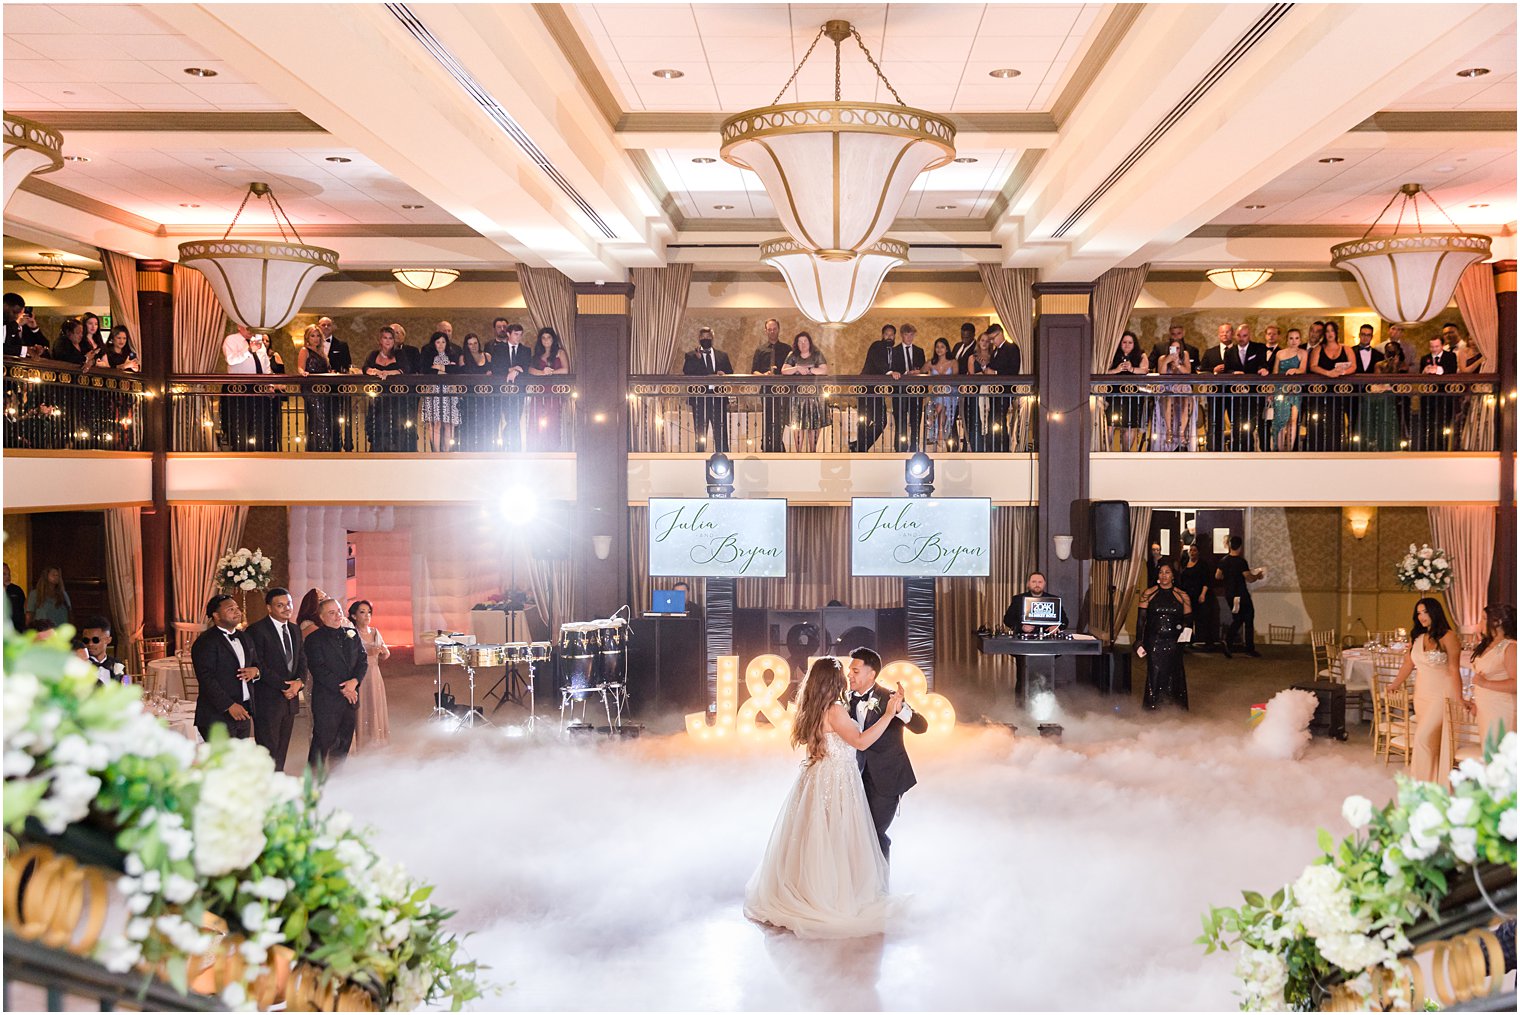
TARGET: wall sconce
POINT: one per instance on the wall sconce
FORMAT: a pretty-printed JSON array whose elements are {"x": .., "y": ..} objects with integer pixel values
[
  {"x": 602, "y": 545},
  {"x": 1063, "y": 547},
  {"x": 1359, "y": 526}
]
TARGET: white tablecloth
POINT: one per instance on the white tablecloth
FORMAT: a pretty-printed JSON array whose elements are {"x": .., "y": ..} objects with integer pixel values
[
  {"x": 1357, "y": 665},
  {"x": 163, "y": 676},
  {"x": 181, "y": 719}
]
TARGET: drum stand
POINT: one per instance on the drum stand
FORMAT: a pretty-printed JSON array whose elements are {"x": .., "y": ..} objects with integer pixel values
[
  {"x": 511, "y": 685},
  {"x": 569, "y": 696},
  {"x": 439, "y": 713},
  {"x": 472, "y": 718}
]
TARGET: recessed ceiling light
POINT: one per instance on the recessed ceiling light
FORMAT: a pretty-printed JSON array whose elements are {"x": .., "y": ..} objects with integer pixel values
[
  {"x": 965, "y": 160},
  {"x": 1255, "y": 207},
  {"x": 723, "y": 207},
  {"x": 184, "y": 205},
  {"x": 76, "y": 158},
  {"x": 411, "y": 207},
  {"x": 1332, "y": 160},
  {"x": 1472, "y": 72},
  {"x": 1477, "y": 206},
  {"x": 338, "y": 158},
  {"x": 67, "y": 92},
  {"x": 703, "y": 160},
  {"x": 200, "y": 72},
  {"x": 1004, "y": 73},
  {"x": 669, "y": 73},
  {"x": 1446, "y": 169},
  {"x": 944, "y": 207},
  {"x": 225, "y": 169}
]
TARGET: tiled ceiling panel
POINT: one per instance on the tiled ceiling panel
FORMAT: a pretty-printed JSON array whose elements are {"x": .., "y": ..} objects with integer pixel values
[{"x": 1491, "y": 91}]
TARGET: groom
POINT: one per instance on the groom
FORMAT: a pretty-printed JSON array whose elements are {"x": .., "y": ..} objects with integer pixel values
[{"x": 884, "y": 766}]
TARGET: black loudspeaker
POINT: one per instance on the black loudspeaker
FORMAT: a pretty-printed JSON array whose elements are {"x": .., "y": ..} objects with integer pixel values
[{"x": 1110, "y": 530}]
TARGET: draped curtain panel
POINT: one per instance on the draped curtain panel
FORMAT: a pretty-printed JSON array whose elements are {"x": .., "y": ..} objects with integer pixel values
[
  {"x": 659, "y": 304},
  {"x": 1466, "y": 533},
  {"x": 1479, "y": 305},
  {"x": 121, "y": 282},
  {"x": 1012, "y": 293},
  {"x": 1123, "y": 575},
  {"x": 1114, "y": 296},
  {"x": 124, "y": 576},
  {"x": 554, "y": 590},
  {"x": 200, "y": 323},
  {"x": 968, "y": 603},
  {"x": 198, "y": 535},
  {"x": 551, "y": 302}
]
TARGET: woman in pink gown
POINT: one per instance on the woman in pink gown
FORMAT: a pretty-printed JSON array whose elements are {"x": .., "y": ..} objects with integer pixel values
[{"x": 374, "y": 729}]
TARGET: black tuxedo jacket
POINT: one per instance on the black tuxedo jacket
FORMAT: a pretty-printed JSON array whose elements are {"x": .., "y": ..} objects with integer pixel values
[
  {"x": 915, "y": 359},
  {"x": 696, "y": 364},
  {"x": 216, "y": 667},
  {"x": 339, "y": 359},
  {"x": 1375, "y": 357},
  {"x": 110, "y": 663},
  {"x": 1212, "y": 357},
  {"x": 503, "y": 360},
  {"x": 768, "y": 359},
  {"x": 17, "y": 336},
  {"x": 1013, "y": 619},
  {"x": 1006, "y": 359},
  {"x": 274, "y": 674},
  {"x": 878, "y": 358},
  {"x": 887, "y": 759},
  {"x": 962, "y": 355},
  {"x": 1246, "y": 361},
  {"x": 333, "y": 655},
  {"x": 1447, "y": 362}
]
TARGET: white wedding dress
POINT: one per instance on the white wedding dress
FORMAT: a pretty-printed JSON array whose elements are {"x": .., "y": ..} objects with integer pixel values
[{"x": 823, "y": 875}]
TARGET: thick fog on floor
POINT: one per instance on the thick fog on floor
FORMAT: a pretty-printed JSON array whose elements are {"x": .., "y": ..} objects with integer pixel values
[{"x": 1042, "y": 874}]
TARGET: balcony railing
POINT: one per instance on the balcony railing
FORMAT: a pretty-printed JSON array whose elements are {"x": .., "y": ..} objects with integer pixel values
[
  {"x": 53, "y": 407},
  {"x": 362, "y": 415},
  {"x": 991, "y": 415},
  {"x": 1357, "y": 414}
]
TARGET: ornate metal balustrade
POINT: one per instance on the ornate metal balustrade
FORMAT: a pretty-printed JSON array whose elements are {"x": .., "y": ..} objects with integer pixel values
[
  {"x": 828, "y": 415},
  {"x": 363, "y": 415},
  {"x": 53, "y": 407},
  {"x": 1356, "y": 414}
]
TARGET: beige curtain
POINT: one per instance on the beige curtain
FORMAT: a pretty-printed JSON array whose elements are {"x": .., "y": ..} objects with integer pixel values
[
  {"x": 124, "y": 580},
  {"x": 964, "y": 604},
  {"x": 1480, "y": 310},
  {"x": 1012, "y": 294},
  {"x": 121, "y": 282},
  {"x": 551, "y": 302},
  {"x": 554, "y": 590},
  {"x": 1125, "y": 575},
  {"x": 1114, "y": 296},
  {"x": 1466, "y": 533},
  {"x": 198, "y": 535},
  {"x": 200, "y": 323},
  {"x": 659, "y": 303}
]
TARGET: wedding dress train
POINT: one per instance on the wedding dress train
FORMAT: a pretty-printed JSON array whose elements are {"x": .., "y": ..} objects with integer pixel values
[{"x": 823, "y": 875}]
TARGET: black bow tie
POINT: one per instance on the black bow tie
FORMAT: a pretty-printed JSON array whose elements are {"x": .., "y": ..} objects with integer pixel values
[{"x": 856, "y": 697}]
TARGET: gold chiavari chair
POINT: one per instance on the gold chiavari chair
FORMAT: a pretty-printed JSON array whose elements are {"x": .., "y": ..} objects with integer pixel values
[
  {"x": 1280, "y": 634},
  {"x": 1461, "y": 738},
  {"x": 1324, "y": 647}
]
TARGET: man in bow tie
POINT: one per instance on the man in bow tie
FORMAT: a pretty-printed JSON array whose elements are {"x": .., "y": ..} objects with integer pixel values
[
  {"x": 96, "y": 634},
  {"x": 884, "y": 766},
  {"x": 279, "y": 644},
  {"x": 225, "y": 664},
  {"x": 711, "y": 412}
]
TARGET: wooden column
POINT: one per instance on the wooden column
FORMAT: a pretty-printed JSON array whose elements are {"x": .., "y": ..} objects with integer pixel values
[
  {"x": 155, "y": 309},
  {"x": 1501, "y": 580},
  {"x": 1062, "y": 360},
  {"x": 602, "y": 334}
]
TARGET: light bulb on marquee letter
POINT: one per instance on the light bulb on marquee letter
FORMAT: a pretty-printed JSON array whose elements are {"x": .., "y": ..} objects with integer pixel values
[{"x": 765, "y": 699}]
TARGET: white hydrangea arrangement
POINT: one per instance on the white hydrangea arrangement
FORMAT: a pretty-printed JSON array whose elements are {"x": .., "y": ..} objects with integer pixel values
[
  {"x": 243, "y": 570},
  {"x": 1349, "y": 912},
  {"x": 1424, "y": 569}
]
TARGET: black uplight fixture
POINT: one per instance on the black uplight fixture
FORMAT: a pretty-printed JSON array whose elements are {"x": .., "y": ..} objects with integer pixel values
[
  {"x": 720, "y": 476},
  {"x": 918, "y": 475}
]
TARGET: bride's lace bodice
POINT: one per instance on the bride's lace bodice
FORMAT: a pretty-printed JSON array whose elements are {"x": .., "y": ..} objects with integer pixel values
[{"x": 836, "y": 751}]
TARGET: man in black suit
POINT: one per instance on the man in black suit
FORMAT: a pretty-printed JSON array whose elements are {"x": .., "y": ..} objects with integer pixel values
[
  {"x": 1006, "y": 361},
  {"x": 1212, "y": 362},
  {"x": 706, "y": 361},
  {"x": 884, "y": 766},
  {"x": 971, "y": 428},
  {"x": 340, "y": 361},
  {"x": 1440, "y": 410},
  {"x": 21, "y": 331},
  {"x": 1013, "y": 617},
  {"x": 1247, "y": 412},
  {"x": 768, "y": 360},
  {"x": 510, "y": 359},
  {"x": 278, "y": 644},
  {"x": 1364, "y": 360},
  {"x": 95, "y": 632},
  {"x": 872, "y": 409},
  {"x": 225, "y": 664},
  {"x": 904, "y": 359},
  {"x": 337, "y": 664}
]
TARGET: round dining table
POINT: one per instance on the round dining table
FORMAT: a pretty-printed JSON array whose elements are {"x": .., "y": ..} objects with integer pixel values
[{"x": 163, "y": 677}]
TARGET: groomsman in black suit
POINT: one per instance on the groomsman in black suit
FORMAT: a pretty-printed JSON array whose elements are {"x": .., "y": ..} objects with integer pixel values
[
  {"x": 340, "y": 360},
  {"x": 768, "y": 360},
  {"x": 1247, "y": 412},
  {"x": 963, "y": 353},
  {"x": 1440, "y": 410},
  {"x": 510, "y": 359},
  {"x": 1006, "y": 361},
  {"x": 1212, "y": 362},
  {"x": 884, "y": 766},
  {"x": 872, "y": 409},
  {"x": 706, "y": 361},
  {"x": 279, "y": 645},
  {"x": 1365, "y": 359},
  {"x": 336, "y": 661},
  {"x": 907, "y": 410},
  {"x": 225, "y": 664},
  {"x": 96, "y": 633}
]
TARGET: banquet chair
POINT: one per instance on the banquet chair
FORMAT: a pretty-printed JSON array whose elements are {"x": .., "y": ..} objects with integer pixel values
[
  {"x": 1461, "y": 739},
  {"x": 185, "y": 635},
  {"x": 1280, "y": 634},
  {"x": 1396, "y": 727},
  {"x": 1322, "y": 648},
  {"x": 187, "y": 677},
  {"x": 145, "y": 651}
]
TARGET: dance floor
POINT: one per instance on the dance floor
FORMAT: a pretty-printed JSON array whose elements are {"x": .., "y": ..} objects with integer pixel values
[{"x": 1040, "y": 874}]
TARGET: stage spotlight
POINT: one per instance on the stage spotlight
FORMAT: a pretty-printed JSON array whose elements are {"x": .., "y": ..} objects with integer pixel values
[
  {"x": 519, "y": 506},
  {"x": 918, "y": 475},
  {"x": 720, "y": 476}
]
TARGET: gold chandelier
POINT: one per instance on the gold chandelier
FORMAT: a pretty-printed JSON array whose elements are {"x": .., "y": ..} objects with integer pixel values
[{"x": 837, "y": 172}]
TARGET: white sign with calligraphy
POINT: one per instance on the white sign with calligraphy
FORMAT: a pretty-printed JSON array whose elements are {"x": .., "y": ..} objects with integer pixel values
[
  {"x": 717, "y": 538},
  {"x": 921, "y": 537}
]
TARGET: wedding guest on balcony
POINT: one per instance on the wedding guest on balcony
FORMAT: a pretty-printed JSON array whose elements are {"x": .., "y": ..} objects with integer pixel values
[
  {"x": 977, "y": 411},
  {"x": 475, "y": 428},
  {"x": 1493, "y": 664},
  {"x": 1292, "y": 361},
  {"x": 15, "y": 603},
  {"x": 281, "y": 649},
  {"x": 1404, "y": 347},
  {"x": 510, "y": 359},
  {"x": 1316, "y": 335},
  {"x": 1165, "y": 614},
  {"x": 341, "y": 360},
  {"x": 1360, "y": 408},
  {"x": 545, "y": 423},
  {"x": 49, "y": 600},
  {"x": 1434, "y": 655},
  {"x": 940, "y": 426},
  {"x": 1237, "y": 576},
  {"x": 118, "y": 353},
  {"x": 1469, "y": 356},
  {"x": 872, "y": 409},
  {"x": 440, "y": 413},
  {"x": 409, "y": 357},
  {"x": 710, "y": 412},
  {"x": 1436, "y": 429},
  {"x": 768, "y": 361},
  {"x": 1398, "y": 359},
  {"x": 1126, "y": 411},
  {"x": 1271, "y": 337},
  {"x": 93, "y": 339},
  {"x": 1213, "y": 363},
  {"x": 251, "y": 421},
  {"x": 1179, "y": 424},
  {"x": 1326, "y": 412},
  {"x": 225, "y": 665},
  {"x": 812, "y": 415},
  {"x": 22, "y": 336},
  {"x": 319, "y": 407},
  {"x": 383, "y": 415},
  {"x": 338, "y": 665},
  {"x": 374, "y": 725},
  {"x": 71, "y": 348},
  {"x": 1176, "y": 335},
  {"x": 409, "y": 423},
  {"x": 1006, "y": 362},
  {"x": 1245, "y": 356},
  {"x": 906, "y": 359},
  {"x": 965, "y": 411},
  {"x": 307, "y": 618}
]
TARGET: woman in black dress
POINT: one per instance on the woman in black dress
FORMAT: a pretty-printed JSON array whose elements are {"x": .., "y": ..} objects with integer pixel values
[
  {"x": 1126, "y": 412},
  {"x": 1164, "y": 612},
  {"x": 1328, "y": 360},
  {"x": 473, "y": 424},
  {"x": 319, "y": 408},
  {"x": 383, "y": 417}
]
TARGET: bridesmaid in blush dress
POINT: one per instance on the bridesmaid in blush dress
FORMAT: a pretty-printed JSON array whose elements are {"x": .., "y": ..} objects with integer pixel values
[
  {"x": 1433, "y": 659},
  {"x": 374, "y": 729}
]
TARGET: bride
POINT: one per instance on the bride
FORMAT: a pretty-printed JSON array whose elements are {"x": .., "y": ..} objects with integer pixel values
[{"x": 823, "y": 874}]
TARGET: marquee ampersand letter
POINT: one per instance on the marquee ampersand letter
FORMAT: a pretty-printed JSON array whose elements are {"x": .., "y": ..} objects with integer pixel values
[
  {"x": 765, "y": 699},
  {"x": 935, "y": 708}
]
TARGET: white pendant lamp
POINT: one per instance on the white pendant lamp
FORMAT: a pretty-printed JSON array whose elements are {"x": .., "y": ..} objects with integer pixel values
[
  {"x": 30, "y": 148},
  {"x": 425, "y": 278},
  {"x": 833, "y": 292},
  {"x": 51, "y": 273}
]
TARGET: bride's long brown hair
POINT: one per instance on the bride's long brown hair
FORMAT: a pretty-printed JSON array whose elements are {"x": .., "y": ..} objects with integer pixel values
[{"x": 824, "y": 685}]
